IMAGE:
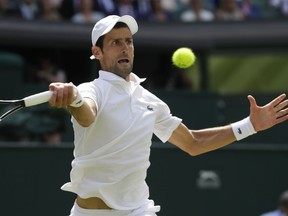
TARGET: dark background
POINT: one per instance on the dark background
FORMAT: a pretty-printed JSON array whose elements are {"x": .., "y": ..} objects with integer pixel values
[{"x": 249, "y": 180}]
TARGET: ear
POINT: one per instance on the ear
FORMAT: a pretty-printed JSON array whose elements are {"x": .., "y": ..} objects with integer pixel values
[{"x": 97, "y": 52}]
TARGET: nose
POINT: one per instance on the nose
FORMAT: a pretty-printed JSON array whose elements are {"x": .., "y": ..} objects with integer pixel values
[{"x": 124, "y": 47}]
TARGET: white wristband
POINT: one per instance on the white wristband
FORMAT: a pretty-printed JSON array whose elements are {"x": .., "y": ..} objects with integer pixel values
[
  {"x": 79, "y": 101},
  {"x": 243, "y": 128}
]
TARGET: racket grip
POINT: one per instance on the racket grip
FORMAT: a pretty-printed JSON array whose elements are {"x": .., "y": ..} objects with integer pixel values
[{"x": 36, "y": 99}]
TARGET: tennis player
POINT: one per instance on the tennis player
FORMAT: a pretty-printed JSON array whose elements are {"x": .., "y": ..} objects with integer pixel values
[{"x": 114, "y": 119}]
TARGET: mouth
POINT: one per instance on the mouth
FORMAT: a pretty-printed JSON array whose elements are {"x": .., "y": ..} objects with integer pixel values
[{"x": 123, "y": 61}]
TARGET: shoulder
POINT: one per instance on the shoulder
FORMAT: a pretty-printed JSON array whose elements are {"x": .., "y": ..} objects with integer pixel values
[
  {"x": 148, "y": 94},
  {"x": 92, "y": 86},
  {"x": 161, "y": 105}
]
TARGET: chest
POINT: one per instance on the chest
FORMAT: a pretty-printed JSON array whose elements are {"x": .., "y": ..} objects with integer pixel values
[{"x": 124, "y": 110}]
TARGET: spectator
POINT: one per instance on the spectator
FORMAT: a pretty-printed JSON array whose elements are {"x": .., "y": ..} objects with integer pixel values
[
  {"x": 37, "y": 124},
  {"x": 106, "y": 6},
  {"x": 28, "y": 9},
  {"x": 180, "y": 79},
  {"x": 214, "y": 4},
  {"x": 14, "y": 129},
  {"x": 196, "y": 12},
  {"x": 173, "y": 78},
  {"x": 49, "y": 11},
  {"x": 174, "y": 6},
  {"x": 127, "y": 7},
  {"x": 249, "y": 9},
  {"x": 48, "y": 126},
  {"x": 158, "y": 13},
  {"x": 10, "y": 8},
  {"x": 87, "y": 14},
  {"x": 68, "y": 8},
  {"x": 282, "y": 5},
  {"x": 55, "y": 3},
  {"x": 144, "y": 8},
  {"x": 46, "y": 72},
  {"x": 229, "y": 11},
  {"x": 3, "y": 8},
  {"x": 282, "y": 209},
  {"x": 53, "y": 138},
  {"x": 137, "y": 9}
]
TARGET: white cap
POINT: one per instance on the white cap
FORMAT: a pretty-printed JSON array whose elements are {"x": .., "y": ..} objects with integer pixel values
[{"x": 106, "y": 24}]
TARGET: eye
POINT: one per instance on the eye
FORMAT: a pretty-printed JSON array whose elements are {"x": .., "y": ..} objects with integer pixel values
[
  {"x": 115, "y": 42},
  {"x": 129, "y": 41}
]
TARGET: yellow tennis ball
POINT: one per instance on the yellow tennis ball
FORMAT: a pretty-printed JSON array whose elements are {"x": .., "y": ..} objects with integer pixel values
[{"x": 183, "y": 57}]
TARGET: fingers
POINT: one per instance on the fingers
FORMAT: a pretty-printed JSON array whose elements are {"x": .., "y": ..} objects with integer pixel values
[
  {"x": 278, "y": 103},
  {"x": 274, "y": 112},
  {"x": 63, "y": 94},
  {"x": 282, "y": 113},
  {"x": 281, "y": 104},
  {"x": 253, "y": 104},
  {"x": 277, "y": 100},
  {"x": 252, "y": 101}
]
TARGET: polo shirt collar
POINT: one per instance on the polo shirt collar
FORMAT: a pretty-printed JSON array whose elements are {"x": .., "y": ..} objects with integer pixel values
[{"x": 105, "y": 75}]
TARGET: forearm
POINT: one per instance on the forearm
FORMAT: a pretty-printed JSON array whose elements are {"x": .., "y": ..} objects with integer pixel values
[
  {"x": 85, "y": 114},
  {"x": 221, "y": 136},
  {"x": 210, "y": 139},
  {"x": 197, "y": 142}
]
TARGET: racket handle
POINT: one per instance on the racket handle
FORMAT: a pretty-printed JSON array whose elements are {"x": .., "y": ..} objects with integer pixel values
[{"x": 36, "y": 99}]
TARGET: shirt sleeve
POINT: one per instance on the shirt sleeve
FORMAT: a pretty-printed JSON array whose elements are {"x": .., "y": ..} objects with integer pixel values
[
  {"x": 90, "y": 90},
  {"x": 166, "y": 123}
]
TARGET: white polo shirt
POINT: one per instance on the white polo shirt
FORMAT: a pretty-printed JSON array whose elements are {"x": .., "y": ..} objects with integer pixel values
[{"x": 112, "y": 154}]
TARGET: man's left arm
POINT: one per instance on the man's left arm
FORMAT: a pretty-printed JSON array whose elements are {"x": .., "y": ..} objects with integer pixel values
[{"x": 197, "y": 142}]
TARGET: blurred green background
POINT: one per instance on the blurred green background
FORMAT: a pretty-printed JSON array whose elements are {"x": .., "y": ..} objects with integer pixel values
[{"x": 244, "y": 73}]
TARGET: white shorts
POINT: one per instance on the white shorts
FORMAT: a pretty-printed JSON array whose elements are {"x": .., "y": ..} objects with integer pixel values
[{"x": 148, "y": 210}]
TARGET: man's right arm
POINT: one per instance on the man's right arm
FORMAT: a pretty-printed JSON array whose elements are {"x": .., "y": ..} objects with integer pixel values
[
  {"x": 85, "y": 114},
  {"x": 64, "y": 95}
]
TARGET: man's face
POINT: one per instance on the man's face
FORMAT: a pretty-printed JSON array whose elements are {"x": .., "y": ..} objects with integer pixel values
[{"x": 117, "y": 55}]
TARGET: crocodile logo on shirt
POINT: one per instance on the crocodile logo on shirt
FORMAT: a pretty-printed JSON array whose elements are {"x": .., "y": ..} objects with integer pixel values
[{"x": 149, "y": 108}]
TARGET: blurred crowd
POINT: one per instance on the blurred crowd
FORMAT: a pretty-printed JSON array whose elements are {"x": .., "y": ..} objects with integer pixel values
[{"x": 90, "y": 11}]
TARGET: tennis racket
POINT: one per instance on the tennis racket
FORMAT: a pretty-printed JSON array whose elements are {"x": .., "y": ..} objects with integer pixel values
[{"x": 29, "y": 101}]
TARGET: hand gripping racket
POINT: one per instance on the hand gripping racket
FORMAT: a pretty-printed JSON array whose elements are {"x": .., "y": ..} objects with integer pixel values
[{"x": 29, "y": 101}]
